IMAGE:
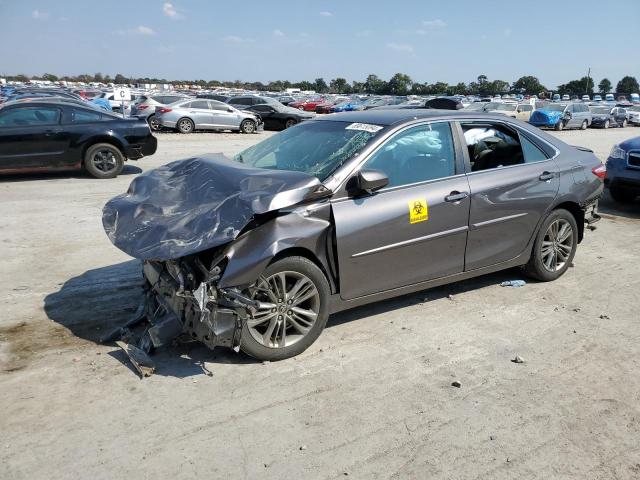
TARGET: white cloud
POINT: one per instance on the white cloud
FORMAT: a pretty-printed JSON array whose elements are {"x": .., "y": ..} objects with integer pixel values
[
  {"x": 278, "y": 33},
  {"x": 236, "y": 39},
  {"x": 434, "y": 24},
  {"x": 400, "y": 47},
  {"x": 170, "y": 11},
  {"x": 142, "y": 30},
  {"x": 326, "y": 14},
  {"x": 38, "y": 15}
]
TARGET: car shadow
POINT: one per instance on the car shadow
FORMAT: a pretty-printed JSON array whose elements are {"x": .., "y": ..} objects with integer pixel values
[
  {"x": 25, "y": 177},
  {"x": 101, "y": 300},
  {"x": 609, "y": 206}
]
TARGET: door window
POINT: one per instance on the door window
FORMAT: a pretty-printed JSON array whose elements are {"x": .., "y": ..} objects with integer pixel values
[
  {"x": 531, "y": 151},
  {"x": 214, "y": 105},
  {"x": 200, "y": 104},
  {"x": 28, "y": 116},
  {"x": 85, "y": 116},
  {"x": 418, "y": 154},
  {"x": 492, "y": 145}
]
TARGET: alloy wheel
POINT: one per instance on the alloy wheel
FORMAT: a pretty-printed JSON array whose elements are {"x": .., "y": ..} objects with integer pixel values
[
  {"x": 104, "y": 160},
  {"x": 289, "y": 307},
  {"x": 185, "y": 125},
  {"x": 557, "y": 245}
]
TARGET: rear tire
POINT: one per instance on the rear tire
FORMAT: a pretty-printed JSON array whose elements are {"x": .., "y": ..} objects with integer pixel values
[
  {"x": 621, "y": 195},
  {"x": 186, "y": 125},
  {"x": 276, "y": 315},
  {"x": 606, "y": 124},
  {"x": 624, "y": 123},
  {"x": 559, "y": 126},
  {"x": 103, "y": 160},
  {"x": 290, "y": 122},
  {"x": 153, "y": 122},
  {"x": 554, "y": 247},
  {"x": 585, "y": 124}
]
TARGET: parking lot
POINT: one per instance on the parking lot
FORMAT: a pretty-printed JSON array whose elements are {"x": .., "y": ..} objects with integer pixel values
[{"x": 372, "y": 398}]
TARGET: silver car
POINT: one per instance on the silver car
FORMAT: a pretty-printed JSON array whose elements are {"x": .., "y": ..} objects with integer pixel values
[
  {"x": 145, "y": 106},
  {"x": 186, "y": 116}
]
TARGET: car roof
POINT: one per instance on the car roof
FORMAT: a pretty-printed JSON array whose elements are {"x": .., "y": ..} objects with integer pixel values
[{"x": 390, "y": 117}]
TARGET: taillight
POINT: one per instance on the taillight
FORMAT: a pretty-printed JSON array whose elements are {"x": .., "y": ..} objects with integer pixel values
[
  {"x": 164, "y": 110},
  {"x": 600, "y": 171},
  {"x": 141, "y": 107}
]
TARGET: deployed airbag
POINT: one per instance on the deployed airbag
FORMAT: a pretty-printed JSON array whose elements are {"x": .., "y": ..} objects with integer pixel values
[{"x": 192, "y": 205}]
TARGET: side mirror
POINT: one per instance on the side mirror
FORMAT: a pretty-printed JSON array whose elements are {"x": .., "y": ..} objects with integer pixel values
[{"x": 368, "y": 181}]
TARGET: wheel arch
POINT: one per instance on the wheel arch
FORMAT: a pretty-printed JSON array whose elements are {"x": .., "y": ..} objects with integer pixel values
[{"x": 578, "y": 214}]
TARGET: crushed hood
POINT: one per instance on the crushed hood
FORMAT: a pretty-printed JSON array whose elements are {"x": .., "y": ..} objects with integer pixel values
[{"x": 192, "y": 205}]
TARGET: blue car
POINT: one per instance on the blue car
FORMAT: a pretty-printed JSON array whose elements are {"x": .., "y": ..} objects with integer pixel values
[
  {"x": 346, "y": 107},
  {"x": 623, "y": 171}
]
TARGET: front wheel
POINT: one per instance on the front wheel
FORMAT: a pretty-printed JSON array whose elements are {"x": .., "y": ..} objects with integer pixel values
[
  {"x": 559, "y": 126},
  {"x": 186, "y": 125},
  {"x": 103, "y": 160},
  {"x": 606, "y": 124},
  {"x": 248, "y": 126},
  {"x": 294, "y": 307},
  {"x": 554, "y": 247},
  {"x": 585, "y": 124},
  {"x": 624, "y": 123}
]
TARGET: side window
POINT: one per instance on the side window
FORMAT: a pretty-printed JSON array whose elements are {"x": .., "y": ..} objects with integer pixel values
[
  {"x": 29, "y": 116},
  {"x": 261, "y": 108},
  {"x": 200, "y": 104},
  {"x": 214, "y": 105},
  {"x": 531, "y": 152},
  {"x": 84, "y": 116},
  {"x": 569, "y": 109},
  {"x": 492, "y": 146},
  {"x": 415, "y": 155}
]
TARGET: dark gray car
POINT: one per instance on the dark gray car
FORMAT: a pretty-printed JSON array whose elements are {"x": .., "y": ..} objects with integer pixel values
[{"x": 256, "y": 252}]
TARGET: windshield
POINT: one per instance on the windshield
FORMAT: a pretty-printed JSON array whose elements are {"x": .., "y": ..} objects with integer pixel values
[
  {"x": 555, "y": 107},
  {"x": 317, "y": 148},
  {"x": 601, "y": 110},
  {"x": 506, "y": 107}
]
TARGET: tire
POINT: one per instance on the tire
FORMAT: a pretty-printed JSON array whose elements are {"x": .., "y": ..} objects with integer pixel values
[
  {"x": 290, "y": 122},
  {"x": 300, "y": 330},
  {"x": 621, "y": 195},
  {"x": 185, "y": 125},
  {"x": 248, "y": 126},
  {"x": 153, "y": 122},
  {"x": 585, "y": 124},
  {"x": 559, "y": 126},
  {"x": 606, "y": 124},
  {"x": 624, "y": 123},
  {"x": 549, "y": 258},
  {"x": 103, "y": 160}
]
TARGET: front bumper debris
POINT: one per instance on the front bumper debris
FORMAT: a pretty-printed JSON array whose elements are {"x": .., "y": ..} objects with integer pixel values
[
  {"x": 591, "y": 215},
  {"x": 174, "y": 308}
]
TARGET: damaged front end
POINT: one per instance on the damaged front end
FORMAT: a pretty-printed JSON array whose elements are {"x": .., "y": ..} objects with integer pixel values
[{"x": 185, "y": 221}]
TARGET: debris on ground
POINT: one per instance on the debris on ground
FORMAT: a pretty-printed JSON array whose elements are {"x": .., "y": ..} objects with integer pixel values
[
  {"x": 604, "y": 317},
  {"x": 518, "y": 359},
  {"x": 577, "y": 309},
  {"x": 513, "y": 283},
  {"x": 139, "y": 358},
  {"x": 456, "y": 384},
  {"x": 450, "y": 297},
  {"x": 492, "y": 437},
  {"x": 303, "y": 447}
]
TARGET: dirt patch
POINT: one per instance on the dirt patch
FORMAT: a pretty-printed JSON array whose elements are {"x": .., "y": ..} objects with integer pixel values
[{"x": 20, "y": 342}]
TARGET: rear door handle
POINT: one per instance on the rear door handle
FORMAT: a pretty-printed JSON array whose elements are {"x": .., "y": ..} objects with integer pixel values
[
  {"x": 546, "y": 176},
  {"x": 51, "y": 132},
  {"x": 456, "y": 196}
]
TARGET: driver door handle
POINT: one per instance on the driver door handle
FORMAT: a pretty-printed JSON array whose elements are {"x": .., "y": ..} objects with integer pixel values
[
  {"x": 456, "y": 196},
  {"x": 546, "y": 176}
]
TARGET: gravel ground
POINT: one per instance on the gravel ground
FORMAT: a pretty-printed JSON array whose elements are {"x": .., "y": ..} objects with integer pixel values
[{"x": 372, "y": 398}]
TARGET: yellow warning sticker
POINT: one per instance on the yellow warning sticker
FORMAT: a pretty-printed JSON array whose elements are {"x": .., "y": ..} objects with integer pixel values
[{"x": 418, "y": 210}]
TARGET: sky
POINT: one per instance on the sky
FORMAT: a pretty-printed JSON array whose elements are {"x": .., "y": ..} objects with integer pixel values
[{"x": 446, "y": 40}]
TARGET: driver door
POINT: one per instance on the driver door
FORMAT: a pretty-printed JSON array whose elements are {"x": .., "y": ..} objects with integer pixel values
[{"x": 415, "y": 228}]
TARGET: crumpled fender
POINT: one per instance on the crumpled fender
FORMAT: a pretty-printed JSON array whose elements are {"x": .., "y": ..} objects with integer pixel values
[
  {"x": 306, "y": 228},
  {"x": 192, "y": 205}
]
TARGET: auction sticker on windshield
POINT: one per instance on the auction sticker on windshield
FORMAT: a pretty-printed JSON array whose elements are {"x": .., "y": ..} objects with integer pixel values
[
  {"x": 418, "y": 210},
  {"x": 365, "y": 127}
]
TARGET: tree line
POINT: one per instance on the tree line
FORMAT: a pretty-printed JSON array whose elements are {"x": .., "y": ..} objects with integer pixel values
[{"x": 398, "y": 84}]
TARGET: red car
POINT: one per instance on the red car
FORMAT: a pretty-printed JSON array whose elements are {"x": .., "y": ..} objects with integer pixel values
[
  {"x": 327, "y": 105},
  {"x": 307, "y": 105}
]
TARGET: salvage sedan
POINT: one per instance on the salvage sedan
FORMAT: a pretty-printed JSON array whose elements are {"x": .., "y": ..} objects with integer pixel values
[{"x": 257, "y": 251}]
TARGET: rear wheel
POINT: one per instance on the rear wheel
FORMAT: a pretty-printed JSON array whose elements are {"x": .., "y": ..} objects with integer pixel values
[
  {"x": 621, "y": 195},
  {"x": 606, "y": 124},
  {"x": 554, "y": 247},
  {"x": 294, "y": 307},
  {"x": 289, "y": 123},
  {"x": 559, "y": 126},
  {"x": 248, "y": 126},
  {"x": 153, "y": 122},
  {"x": 103, "y": 160},
  {"x": 585, "y": 124},
  {"x": 186, "y": 125},
  {"x": 624, "y": 123}
]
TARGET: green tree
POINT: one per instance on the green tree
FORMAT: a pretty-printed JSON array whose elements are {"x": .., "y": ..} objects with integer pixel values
[
  {"x": 373, "y": 84},
  {"x": 459, "y": 89},
  {"x": 577, "y": 87},
  {"x": 605, "y": 86},
  {"x": 50, "y": 77},
  {"x": 528, "y": 84},
  {"x": 119, "y": 79},
  {"x": 628, "y": 85},
  {"x": 320, "y": 85},
  {"x": 399, "y": 84},
  {"x": 339, "y": 85}
]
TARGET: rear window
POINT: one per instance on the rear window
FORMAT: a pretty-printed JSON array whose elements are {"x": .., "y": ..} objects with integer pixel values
[{"x": 79, "y": 115}]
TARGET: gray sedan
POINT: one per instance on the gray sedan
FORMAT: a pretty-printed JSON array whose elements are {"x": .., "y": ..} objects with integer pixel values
[
  {"x": 187, "y": 116},
  {"x": 257, "y": 251}
]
